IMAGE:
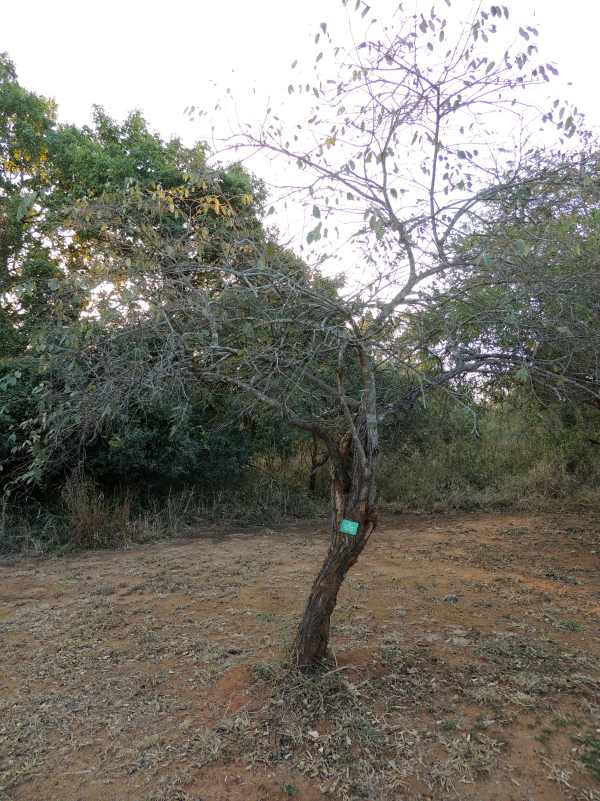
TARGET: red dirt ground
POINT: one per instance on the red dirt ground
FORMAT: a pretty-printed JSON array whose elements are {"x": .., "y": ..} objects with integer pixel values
[{"x": 467, "y": 667}]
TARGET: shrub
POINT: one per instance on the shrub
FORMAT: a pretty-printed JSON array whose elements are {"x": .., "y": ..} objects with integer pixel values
[{"x": 93, "y": 521}]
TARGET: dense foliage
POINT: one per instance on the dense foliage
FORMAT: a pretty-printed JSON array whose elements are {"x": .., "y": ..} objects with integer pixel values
[
  {"x": 112, "y": 246},
  {"x": 80, "y": 207}
]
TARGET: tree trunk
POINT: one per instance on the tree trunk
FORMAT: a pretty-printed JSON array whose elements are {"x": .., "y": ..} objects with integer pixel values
[
  {"x": 314, "y": 453},
  {"x": 312, "y": 640},
  {"x": 351, "y": 502},
  {"x": 353, "y": 460},
  {"x": 315, "y": 464}
]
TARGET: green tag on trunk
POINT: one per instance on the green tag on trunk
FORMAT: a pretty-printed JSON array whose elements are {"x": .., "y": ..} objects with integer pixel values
[{"x": 349, "y": 527}]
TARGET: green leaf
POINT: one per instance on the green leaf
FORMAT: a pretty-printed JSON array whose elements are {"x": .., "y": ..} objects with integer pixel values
[
  {"x": 520, "y": 247},
  {"x": 25, "y": 205},
  {"x": 314, "y": 235}
]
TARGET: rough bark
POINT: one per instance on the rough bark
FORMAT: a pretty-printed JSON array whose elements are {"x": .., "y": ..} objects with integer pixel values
[
  {"x": 315, "y": 464},
  {"x": 312, "y": 640},
  {"x": 314, "y": 452},
  {"x": 352, "y": 497},
  {"x": 353, "y": 462}
]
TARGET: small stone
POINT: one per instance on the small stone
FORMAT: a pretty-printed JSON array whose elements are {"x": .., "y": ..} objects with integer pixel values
[
  {"x": 314, "y": 734},
  {"x": 451, "y": 599}
]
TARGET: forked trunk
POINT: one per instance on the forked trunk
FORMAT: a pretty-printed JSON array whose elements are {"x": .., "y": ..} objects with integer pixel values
[{"x": 353, "y": 461}]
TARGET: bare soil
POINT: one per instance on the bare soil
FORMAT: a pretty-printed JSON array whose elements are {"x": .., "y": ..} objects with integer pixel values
[{"x": 465, "y": 667}]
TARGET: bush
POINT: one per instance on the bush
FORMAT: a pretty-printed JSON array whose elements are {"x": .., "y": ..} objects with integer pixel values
[
  {"x": 88, "y": 517},
  {"x": 93, "y": 521},
  {"x": 519, "y": 455}
]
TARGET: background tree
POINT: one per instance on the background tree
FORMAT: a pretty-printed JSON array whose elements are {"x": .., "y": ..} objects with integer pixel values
[
  {"x": 61, "y": 278},
  {"x": 530, "y": 291},
  {"x": 26, "y": 120}
]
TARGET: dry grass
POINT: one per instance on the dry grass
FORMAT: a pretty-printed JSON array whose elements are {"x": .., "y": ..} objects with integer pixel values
[
  {"x": 156, "y": 673},
  {"x": 92, "y": 520},
  {"x": 83, "y": 516}
]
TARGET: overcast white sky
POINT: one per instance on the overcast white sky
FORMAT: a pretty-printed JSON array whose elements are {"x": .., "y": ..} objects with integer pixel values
[{"x": 161, "y": 56}]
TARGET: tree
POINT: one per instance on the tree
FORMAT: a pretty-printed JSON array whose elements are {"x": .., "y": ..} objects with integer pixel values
[
  {"x": 25, "y": 122},
  {"x": 405, "y": 137},
  {"x": 400, "y": 139},
  {"x": 530, "y": 293},
  {"x": 55, "y": 262}
]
